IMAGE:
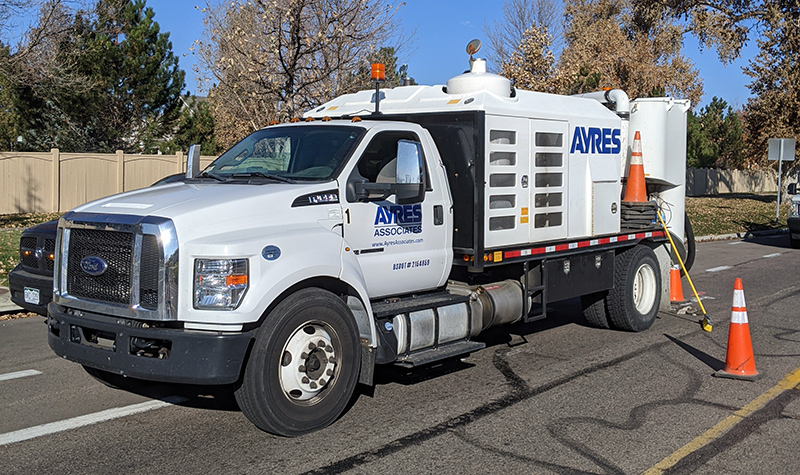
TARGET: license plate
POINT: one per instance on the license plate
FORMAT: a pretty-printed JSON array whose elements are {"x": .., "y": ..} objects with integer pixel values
[{"x": 31, "y": 296}]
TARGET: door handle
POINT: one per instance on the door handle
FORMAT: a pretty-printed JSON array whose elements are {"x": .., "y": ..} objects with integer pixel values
[{"x": 438, "y": 215}]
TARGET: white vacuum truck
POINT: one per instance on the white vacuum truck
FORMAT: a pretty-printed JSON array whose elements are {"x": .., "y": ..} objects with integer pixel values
[{"x": 387, "y": 227}]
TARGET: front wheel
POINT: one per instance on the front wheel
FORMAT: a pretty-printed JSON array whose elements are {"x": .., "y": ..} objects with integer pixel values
[
  {"x": 304, "y": 365},
  {"x": 634, "y": 300}
]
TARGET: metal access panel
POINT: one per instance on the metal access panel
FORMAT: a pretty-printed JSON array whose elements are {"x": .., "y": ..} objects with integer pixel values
[
  {"x": 549, "y": 181},
  {"x": 507, "y": 166},
  {"x": 578, "y": 275}
]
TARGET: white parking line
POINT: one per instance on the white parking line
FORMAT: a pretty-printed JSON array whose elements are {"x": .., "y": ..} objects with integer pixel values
[
  {"x": 773, "y": 255},
  {"x": 717, "y": 269},
  {"x": 19, "y": 374},
  {"x": 88, "y": 419}
]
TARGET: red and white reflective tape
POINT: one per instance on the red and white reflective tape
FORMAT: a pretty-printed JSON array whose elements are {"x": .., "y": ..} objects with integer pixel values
[{"x": 581, "y": 244}]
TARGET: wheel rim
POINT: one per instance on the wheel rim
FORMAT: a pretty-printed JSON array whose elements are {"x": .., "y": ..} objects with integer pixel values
[
  {"x": 644, "y": 289},
  {"x": 308, "y": 362}
]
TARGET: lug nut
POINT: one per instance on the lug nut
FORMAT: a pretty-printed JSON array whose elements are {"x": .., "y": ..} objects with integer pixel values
[
  {"x": 304, "y": 356},
  {"x": 329, "y": 372},
  {"x": 332, "y": 359},
  {"x": 304, "y": 380},
  {"x": 322, "y": 344},
  {"x": 312, "y": 346},
  {"x": 313, "y": 385},
  {"x": 322, "y": 382},
  {"x": 301, "y": 368}
]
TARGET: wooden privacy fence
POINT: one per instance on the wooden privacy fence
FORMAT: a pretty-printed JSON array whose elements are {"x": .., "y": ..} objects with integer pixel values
[
  {"x": 39, "y": 182},
  {"x": 711, "y": 181}
]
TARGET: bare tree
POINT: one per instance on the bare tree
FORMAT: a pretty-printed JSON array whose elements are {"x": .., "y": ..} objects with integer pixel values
[
  {"x": 531, "y": 65},
  {"x": 506, "y": 35},
  {"x": 36, "y": 59},
  {"x": 604, "y": 39},
  {"x": 273, "y": 59}
]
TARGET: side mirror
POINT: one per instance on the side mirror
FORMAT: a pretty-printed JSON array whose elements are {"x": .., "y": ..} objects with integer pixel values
[
  {"x": 792, "y": 188},
  {"x": 193, "y": 162},
  {"x": 410, "y": 173}
]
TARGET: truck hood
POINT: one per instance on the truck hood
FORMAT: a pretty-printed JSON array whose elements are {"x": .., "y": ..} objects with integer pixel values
[{"x": 211, "y": 207}]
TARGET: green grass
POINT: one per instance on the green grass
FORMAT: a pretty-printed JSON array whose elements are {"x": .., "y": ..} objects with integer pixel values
[
  {"x": 9, "y": 253},
  {"x": 734, "y": 213}
]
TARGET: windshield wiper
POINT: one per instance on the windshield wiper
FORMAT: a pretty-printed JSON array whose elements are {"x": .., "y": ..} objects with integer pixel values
[
  {"x": 211, "y": 175},
  {"x": 263, "y": 175}
]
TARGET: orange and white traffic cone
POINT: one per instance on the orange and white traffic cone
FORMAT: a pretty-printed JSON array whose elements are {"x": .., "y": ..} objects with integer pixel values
[
  {"x": 635, "y": 190},
  {"x": 675, "y": 287},
  {"x": 739, "y": 361}
]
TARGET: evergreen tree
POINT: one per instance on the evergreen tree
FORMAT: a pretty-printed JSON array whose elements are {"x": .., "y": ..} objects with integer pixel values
[
  {"x": 94, "y": 81},
  {"x": 195, "y": 126},
  {"x": 715, "y": 137},
  {"x": 136, "y": 75}
]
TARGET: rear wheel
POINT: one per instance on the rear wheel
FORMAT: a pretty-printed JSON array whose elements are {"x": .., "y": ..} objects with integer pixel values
[
  {"x": 633, "y": 302},
  {"x": 304, "y": 365},
  {"x": 594, "y": 309}
]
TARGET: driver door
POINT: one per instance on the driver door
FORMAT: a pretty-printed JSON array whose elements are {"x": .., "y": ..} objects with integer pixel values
[{"x": 400, "y": 243}]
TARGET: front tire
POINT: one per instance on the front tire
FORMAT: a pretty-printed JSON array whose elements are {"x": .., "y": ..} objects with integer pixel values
[
  {"x": 303, "y": 367},
  {"x": 634, "y": 300}
]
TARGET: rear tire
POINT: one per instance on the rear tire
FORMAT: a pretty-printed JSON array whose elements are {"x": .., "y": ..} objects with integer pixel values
[
  {"x": 633, "y": 302},
  {"x": 304, "y": 365},
  {"x": 594, "y": 309},
  {"x": 795, "y": 243}
]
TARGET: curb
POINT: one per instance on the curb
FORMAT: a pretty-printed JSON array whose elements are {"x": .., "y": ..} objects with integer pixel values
[
  {"x": 6, "y": 305},
  {"x": 745, "y": 235}
]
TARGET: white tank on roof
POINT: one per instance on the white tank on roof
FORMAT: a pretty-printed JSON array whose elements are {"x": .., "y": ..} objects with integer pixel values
[{"x": 477, "y": 79}]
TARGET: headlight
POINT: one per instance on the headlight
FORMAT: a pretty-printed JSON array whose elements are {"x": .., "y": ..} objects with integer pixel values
[
  {"x": 219, "y": 283},
  {"x": 795, "y": 211}
]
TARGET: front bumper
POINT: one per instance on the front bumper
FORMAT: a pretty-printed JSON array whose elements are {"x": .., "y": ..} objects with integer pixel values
[
  {"x": 20, "y": 278},
  {"x": 126, "y": 347},
  {"x": 794, "y": 227}
]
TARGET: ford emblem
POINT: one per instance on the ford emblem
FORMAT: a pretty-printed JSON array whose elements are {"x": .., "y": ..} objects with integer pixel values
[
  {"x": 93, "y": 265},
  {"x": 271, "y": 253}
]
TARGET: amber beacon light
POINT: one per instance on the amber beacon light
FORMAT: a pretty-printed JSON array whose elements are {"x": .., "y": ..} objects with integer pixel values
[{"x": 378, "y": 72}]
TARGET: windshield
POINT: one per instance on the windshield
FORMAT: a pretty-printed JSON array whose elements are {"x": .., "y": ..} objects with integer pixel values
[{"x": 303, "y": 152}]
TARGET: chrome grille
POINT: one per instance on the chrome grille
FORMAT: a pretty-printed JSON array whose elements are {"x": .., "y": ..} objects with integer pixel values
[
  {"x": 148, "y": 273},
  {"x": 116, "y": 249},
  {"x": 138, "y": 261}
]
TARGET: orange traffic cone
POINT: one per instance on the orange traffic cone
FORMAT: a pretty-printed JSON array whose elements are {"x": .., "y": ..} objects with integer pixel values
[
  {"x": 675, "y": 287},
  {"x": 739, "y": 362},
  {"x": 635, "y": 189}
]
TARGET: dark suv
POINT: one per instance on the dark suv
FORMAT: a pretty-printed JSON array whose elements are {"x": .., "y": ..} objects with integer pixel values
[{"x": 31, "y": 281}]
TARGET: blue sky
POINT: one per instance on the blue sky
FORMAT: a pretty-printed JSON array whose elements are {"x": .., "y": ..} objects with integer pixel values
[{"x": 443, "y": 29}]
